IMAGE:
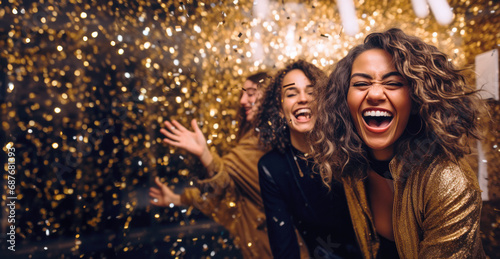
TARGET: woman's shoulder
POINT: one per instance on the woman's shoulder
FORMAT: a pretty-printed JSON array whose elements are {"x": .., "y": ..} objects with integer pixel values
[
  {"x": 274, "y": 167},
  {"x": 272, "y": 158},
  {"x": 273, "y": 163},
  {"x": 446, "y": 174},
  {"x": 250, "y": 140}
]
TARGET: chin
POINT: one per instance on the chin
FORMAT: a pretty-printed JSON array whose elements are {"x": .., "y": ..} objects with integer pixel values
[
  {"x": 379, "y": 146},
  {"x": 249, "y": 118},
  {"x": 303, "y": 128},
  {"x": 376, "y": 147}
]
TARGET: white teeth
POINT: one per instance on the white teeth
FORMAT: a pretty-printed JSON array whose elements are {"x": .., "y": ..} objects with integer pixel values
[
  {"x": 303, "y": 111},
  {"x": 377, "y": 114}
]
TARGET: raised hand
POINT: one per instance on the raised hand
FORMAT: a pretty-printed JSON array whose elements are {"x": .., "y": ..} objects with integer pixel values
[
  {"x": 192, "y": 141},
  {"x": 163, "y": 196}
]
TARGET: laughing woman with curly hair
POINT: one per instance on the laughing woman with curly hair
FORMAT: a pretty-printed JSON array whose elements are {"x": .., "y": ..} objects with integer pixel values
[
  {"x": 392, "y": 125},
  {"x": 294, "y": 195}
]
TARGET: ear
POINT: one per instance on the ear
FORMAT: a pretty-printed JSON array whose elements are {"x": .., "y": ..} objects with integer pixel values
[{"x": 260, "y": 92}]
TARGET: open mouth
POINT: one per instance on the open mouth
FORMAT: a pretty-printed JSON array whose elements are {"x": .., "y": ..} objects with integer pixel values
[
  {"x": 302, "y": 114},
  {"x": 377, "y": 118}
]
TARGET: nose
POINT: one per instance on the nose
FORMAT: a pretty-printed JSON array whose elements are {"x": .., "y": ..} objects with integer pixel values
[
  {"x": 243, "y": 99},
  {"x": 303, "y": 97},
  {"x": 376, "y": 94}
]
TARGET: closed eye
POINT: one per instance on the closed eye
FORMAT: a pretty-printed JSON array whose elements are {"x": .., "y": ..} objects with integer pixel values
[
  {"x": 360, "y": 84},
  {"x": 291, "y": 92},
  {"x": 395, "y": 84},
  {"x": 251, "y": 91}
]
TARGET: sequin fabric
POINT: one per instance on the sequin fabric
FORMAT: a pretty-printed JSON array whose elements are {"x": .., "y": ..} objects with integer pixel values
[{"x": 436, "y": 212}]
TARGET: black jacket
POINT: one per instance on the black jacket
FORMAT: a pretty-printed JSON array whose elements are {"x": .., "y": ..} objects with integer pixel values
[{"x": 304, "y": 202}]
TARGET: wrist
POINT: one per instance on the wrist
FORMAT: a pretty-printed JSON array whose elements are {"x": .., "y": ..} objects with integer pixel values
[
  {"x": 176, "y": 200},
  {"x": 206, "y": 157}
]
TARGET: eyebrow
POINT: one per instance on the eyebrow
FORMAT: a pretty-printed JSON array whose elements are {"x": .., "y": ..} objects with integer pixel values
[
  {"x": 249, "y": 88},
  {"x": 393, "y": 73},
  {"x": 294, "y": 88},
  {"x": 294, "y": 84}
]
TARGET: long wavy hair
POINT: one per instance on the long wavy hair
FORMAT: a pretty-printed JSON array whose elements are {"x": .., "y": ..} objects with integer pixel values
[
  {"x": 261, "y": 79},
  {"x": 271, "y": 125},
  {"x": 444, "y": 110}
]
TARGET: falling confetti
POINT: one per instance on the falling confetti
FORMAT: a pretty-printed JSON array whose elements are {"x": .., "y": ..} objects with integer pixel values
[{"x": 85, "y": 88}]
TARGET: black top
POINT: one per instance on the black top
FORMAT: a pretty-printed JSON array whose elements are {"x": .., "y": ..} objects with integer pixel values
[
  {"x": 380, "y": 167},
  {"x": 387, "y": 249},
  {"x": 320, "y": 216}
]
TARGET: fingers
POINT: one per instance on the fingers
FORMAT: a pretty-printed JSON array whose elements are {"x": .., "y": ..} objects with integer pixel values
[
  {"x": 157, "y": 193},
  {"x": 174, "y": 129},
  {"x": 154, "y": 199},
  {"x": 179, "y": 126},
  {"x": 169, "y": 135},
  {"x": 158, "y": 182},
  {"x": 171, "y": 142},
  {"x": 194, "y": 125},
  {"x": 154, "y": 192},
  {"x": 164, "y": 190}
]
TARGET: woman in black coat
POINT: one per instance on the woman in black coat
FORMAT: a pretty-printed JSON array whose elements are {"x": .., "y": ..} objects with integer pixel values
[{"x": 294, "y": 196}]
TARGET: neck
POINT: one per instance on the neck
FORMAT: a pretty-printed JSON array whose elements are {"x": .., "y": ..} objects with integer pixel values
[
  {"x": 382, "y": 155},
  {"x": 299, "y": 141}
]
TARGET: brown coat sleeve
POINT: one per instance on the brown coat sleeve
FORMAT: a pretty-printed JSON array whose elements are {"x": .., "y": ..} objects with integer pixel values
[
  {"x": 233, "y": 174},
  {"x": 231, "y": 197}
]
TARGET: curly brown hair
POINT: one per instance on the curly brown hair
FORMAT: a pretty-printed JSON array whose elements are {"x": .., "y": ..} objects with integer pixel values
[
  {"x": 445, "y": 109},
  {"x": 261, "y": 79},
  {"x": 271, "y": 126}
]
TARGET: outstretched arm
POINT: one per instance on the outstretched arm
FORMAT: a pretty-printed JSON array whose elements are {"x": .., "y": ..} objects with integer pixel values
[
  {"x": 163, "y": 196},
  {"x": 192, "y": 141}
]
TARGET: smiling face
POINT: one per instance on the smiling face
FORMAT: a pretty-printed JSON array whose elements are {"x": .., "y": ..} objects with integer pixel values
[
  {"x": 249, "y": 100},
  {"x": 296, "y": 96},
  {"x": 379, "y": 101}
]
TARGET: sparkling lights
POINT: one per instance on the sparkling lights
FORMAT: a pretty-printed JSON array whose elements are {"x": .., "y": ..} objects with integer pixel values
[{"x": 86, "y": 85}]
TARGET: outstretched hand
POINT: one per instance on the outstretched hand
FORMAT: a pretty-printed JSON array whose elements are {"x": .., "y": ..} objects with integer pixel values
[
  {"x": 192, "y": 141},
  {"x": 163, "y": 196}
]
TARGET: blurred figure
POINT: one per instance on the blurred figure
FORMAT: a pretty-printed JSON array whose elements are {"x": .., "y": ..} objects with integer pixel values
[{"x": 229, "y": 192}]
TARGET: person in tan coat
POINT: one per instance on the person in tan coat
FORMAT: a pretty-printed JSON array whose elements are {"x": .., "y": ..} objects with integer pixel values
[
  {"x": 229, "y": 193},
  {"x": 393, "y": 125}
]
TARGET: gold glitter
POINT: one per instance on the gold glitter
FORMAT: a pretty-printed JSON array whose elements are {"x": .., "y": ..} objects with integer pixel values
[{"x": 88, "y": 87}]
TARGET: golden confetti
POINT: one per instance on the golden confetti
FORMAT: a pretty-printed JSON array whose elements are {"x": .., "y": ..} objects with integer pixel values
[{"x": 88, "y": 86}]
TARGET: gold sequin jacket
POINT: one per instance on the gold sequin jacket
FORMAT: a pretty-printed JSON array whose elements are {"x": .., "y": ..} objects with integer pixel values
[{"x": 436, "y": 212}]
